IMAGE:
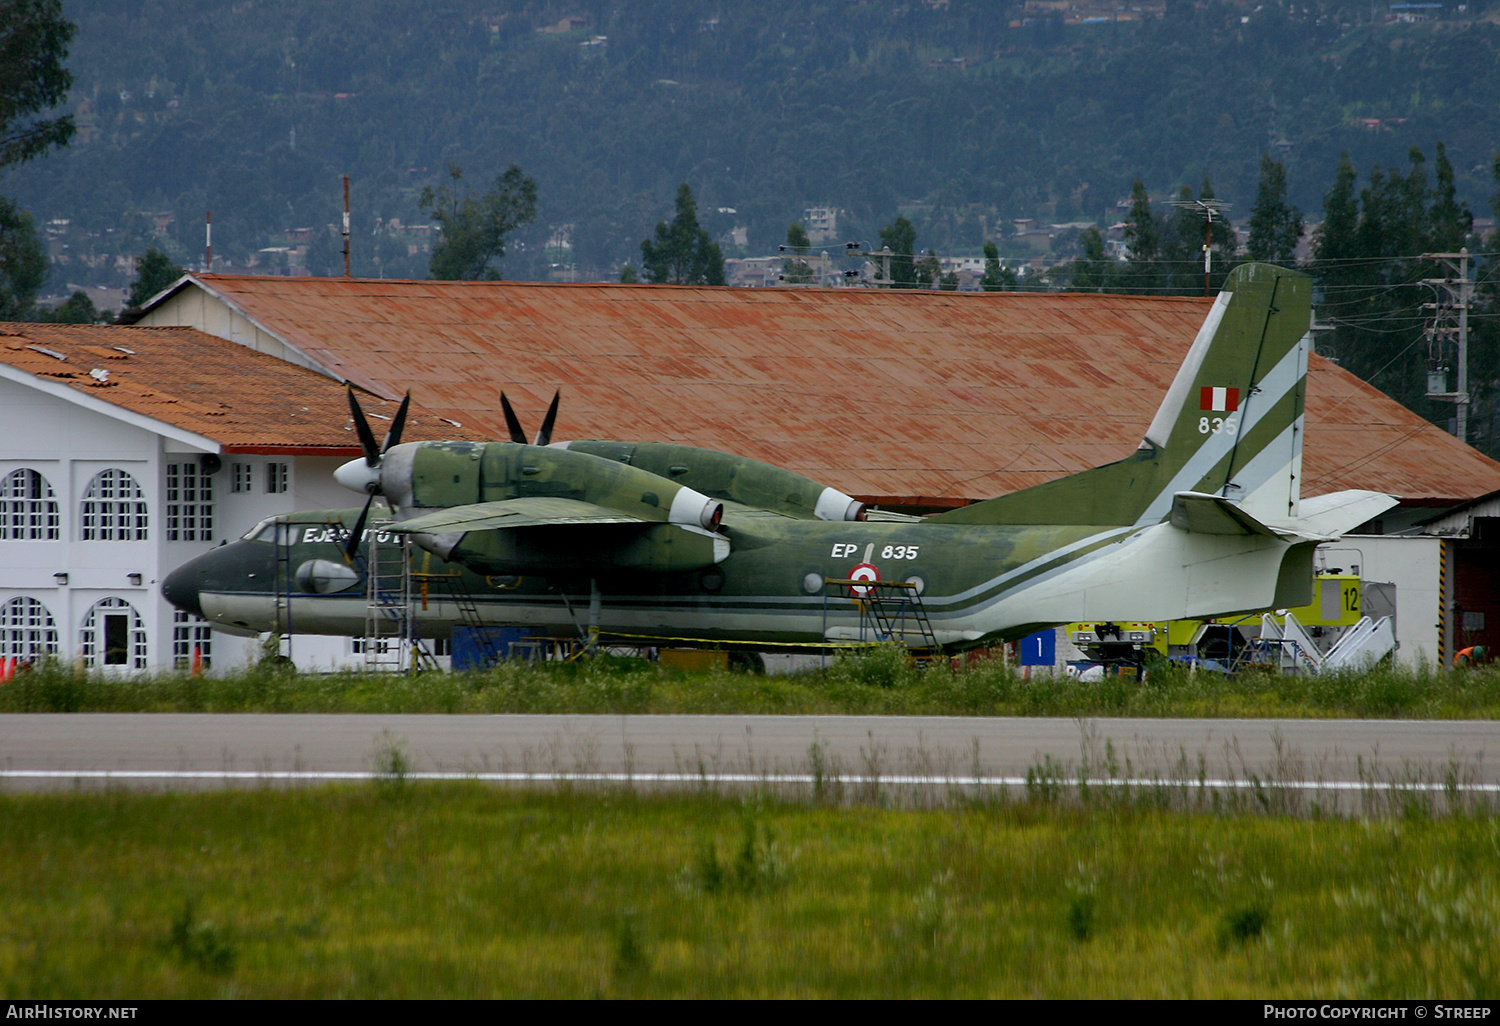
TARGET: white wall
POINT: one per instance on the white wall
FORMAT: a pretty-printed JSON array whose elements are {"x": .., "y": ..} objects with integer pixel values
[
  {"x": 68, "y": 444},
  {"x": 194, "y": 308},
  {"x": 1411, "y": 563}
]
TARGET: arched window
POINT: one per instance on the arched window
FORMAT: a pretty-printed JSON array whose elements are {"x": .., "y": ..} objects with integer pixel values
[
  {"x": 113, "y": 635},
  {"x": 28, "y": 507},
  {"x": 113, "y": 508},
  {"x": 27, "y": 630}
]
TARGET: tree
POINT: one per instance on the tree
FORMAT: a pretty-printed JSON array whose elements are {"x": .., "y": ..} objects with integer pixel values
[
  {"x": 475, "y": 228},
  {"x": 1449, "y": 221},
  {"x": 34, "y": 39},
  {"x": 154, "y": 273},
  {"x": 1275, "y": 225},
  {"x": 1367, "y": 259},
  {"x": 23, "y": 262},
  {"x": 900, "y": 237},
  {"x": 76, "y": 309},
  {"x": 683, "y": 253},
  {"x": 797, "y": 271},
  {"x": 1090, "y": 272},
  {"x": 929, "y": 270},
  {"x": 1335, "y": 238},
  {"x": 996, "y": 278},
  {"x": 628, "y": 275},
  {"x": 1143, "y": 241}
]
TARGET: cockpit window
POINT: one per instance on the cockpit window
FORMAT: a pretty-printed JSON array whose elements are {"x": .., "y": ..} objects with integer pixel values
[{"x": 265, "y": 531}]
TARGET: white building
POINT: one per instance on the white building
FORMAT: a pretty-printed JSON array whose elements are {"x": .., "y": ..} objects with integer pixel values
[{"x": 125, "y": 451}]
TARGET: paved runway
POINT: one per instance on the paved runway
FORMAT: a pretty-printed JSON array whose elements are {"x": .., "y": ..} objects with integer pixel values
[{"x": 47, "y": 751}]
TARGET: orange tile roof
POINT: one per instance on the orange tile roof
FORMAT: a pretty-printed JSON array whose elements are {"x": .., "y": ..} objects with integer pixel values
[
  {"x": 244, "y": 400},
  {"x": 896, "y": 396}
]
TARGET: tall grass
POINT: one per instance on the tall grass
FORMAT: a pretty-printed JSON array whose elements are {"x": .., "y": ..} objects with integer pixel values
[
  {"x": 880, "y": 682},
  {"x": 468, "y": 891}
]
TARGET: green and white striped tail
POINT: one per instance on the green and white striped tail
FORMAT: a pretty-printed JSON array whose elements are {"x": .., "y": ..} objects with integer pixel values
[{"x": 1230, "y": 426}]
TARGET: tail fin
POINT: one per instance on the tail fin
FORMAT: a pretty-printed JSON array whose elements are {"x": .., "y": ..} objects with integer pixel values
[{"x": 1230, "y": 425}]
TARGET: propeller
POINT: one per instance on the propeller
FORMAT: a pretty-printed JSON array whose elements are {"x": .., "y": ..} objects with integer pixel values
[
  {"x": 369, "y": 481},
  {"x": 513, "y": 424},
  {"x": 516, "y": 434},
  {"x": 544, "y": 436}
]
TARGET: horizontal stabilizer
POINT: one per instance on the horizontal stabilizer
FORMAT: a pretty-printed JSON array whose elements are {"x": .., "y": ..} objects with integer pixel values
[
  {"x": 1324, "y": 518},
  {"x": 533, "y": 511},
  {"x": 1214, "y": 514},
  {"x": 1339, "y": 512}
]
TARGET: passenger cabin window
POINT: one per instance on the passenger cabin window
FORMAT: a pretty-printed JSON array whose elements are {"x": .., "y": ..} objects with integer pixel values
[{"x": 28, "y": 508}]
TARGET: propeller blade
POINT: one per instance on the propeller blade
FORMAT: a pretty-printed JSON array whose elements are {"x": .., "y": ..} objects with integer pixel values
[
  {"x": 362, "y": 427},
  {"x": 544, "y": 436},
  {"x": 352, "y": 545},
  {"x": 516, "y": 434},
  {"x": 393, "y": 436}
]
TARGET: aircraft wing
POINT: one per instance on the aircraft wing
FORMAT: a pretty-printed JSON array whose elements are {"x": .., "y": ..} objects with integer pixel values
[{"x": 534, "y": 511}]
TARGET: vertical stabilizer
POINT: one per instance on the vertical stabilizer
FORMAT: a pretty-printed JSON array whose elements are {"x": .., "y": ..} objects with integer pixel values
[{"x": 1230, "y": 425}]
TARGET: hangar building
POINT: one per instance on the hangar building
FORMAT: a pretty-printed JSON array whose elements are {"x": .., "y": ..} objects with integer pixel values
[{"x": 912, "y": 400}]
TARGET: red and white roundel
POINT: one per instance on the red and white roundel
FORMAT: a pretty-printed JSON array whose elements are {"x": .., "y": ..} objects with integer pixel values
[{"x": 863, "y": 572}]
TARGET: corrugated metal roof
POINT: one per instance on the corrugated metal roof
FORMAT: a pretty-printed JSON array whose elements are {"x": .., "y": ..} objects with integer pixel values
[
  {"x": 204, "y": 384},
  {"x": 889, "y": 395}
]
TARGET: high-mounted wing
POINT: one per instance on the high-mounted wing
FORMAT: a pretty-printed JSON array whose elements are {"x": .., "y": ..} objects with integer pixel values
[
  {"x": 545, "y": 535},
  {"x": 537, "y": 511}
]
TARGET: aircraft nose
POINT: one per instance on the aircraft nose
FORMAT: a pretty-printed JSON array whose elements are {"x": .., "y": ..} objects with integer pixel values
[{"x": 181, "y": 588}]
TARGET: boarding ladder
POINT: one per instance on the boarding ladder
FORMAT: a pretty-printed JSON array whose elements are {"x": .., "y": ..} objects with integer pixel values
[
  {"x": 390, "y": 640},
  {"x": 468, "y": 609},
  {"x": 890, "y": 611},
  {"x": 283, "y": 582}
]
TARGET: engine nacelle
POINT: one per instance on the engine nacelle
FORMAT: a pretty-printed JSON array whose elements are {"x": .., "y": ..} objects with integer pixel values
[
  {"x": 729, "y": 477},
  {"x": 420, "y": 476}
]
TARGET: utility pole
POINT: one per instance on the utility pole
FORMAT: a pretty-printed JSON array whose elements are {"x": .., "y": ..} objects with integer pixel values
[
  {"x": 346, "y": 226},
  {"x": 1450, "y": 325},
  {"x": 882, "y": 256},
  {"x": 1208, "y": 207}
]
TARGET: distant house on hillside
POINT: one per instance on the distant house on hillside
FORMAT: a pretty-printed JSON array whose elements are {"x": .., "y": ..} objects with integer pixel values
[{"x": 569, "y": 24}]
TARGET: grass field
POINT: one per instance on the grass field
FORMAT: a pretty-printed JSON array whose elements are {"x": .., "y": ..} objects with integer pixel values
[
  {"x": 406, "y": 890},
  {"x": 877, "y": 683}
]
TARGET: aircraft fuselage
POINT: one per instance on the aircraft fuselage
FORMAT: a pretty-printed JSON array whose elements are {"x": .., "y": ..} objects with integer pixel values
[{"x": 978, "y": 584}]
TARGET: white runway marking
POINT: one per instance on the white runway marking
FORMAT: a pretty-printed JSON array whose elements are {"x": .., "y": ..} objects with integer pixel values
[{"x": 894, "y": 779}]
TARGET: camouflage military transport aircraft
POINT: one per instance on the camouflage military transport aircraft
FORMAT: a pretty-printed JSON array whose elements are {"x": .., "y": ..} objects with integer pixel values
[{"x": 647, "y": 540}]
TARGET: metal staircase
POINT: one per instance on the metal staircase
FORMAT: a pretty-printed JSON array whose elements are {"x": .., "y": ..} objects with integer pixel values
[
  {"x": 890, "y": 611},
  {"x": 468, "y": 609},
  {"x": 390, "y": 643}
]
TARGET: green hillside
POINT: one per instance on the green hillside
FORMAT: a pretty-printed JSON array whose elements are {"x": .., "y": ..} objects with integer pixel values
[{"x": 962, "y": 114}]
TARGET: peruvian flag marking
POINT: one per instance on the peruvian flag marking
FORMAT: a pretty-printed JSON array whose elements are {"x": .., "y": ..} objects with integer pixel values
[{"x": 1220, "y": 400}]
